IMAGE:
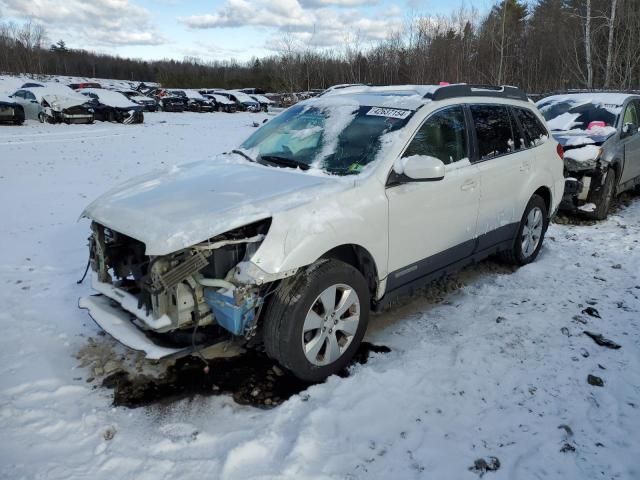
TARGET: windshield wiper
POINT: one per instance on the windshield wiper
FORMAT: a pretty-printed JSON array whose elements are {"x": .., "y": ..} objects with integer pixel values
[
  {"x": 241, "y": 153},
  {"x": 284, "y": 162}
]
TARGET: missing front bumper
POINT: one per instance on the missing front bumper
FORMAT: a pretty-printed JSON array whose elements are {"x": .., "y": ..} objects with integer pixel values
[{"x": 117, "y": 323}]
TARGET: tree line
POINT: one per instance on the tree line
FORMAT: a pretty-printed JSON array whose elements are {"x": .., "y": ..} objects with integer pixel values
[{"x": 538, "y": 45}]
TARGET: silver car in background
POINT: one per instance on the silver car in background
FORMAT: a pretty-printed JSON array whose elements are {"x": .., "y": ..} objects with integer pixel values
[{"x": 600, "y": 134}]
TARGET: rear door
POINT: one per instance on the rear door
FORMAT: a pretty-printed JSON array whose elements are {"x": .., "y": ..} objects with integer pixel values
[
  {"x": 504, "y": 165},
  {"x": 433, "y": 224},
  {"x": 631, "y": 142},
  {"x": 29, "y": 104}
]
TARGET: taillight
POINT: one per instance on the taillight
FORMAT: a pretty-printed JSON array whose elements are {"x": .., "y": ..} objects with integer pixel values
[{"x": 560, "y": 151}]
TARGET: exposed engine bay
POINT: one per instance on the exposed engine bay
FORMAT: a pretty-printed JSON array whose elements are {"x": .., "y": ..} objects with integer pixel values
[
  {"x": 584, "y": 178},
  {"x": 187, "y": 289}
]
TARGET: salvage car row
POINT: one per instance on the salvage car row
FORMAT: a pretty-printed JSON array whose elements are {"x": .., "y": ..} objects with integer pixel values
[{"x": 86, "y": 102}]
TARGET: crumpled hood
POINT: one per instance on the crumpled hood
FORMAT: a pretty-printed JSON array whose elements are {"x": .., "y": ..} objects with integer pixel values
[
  {"x": 191, "y": 203},
  {"x": 64, "y": 101}
]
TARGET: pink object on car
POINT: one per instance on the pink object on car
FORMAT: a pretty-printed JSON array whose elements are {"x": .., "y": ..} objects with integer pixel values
[{"x": 596, "y": 124}]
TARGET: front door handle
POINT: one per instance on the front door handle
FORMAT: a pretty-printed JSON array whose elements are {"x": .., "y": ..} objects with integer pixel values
[{"x": 468, "y": 185}]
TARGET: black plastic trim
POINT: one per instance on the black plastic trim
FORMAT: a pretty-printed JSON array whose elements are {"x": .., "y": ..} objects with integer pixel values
[
  {"x": 464, "y": 90},
  {"x": 407, "y": 280}
]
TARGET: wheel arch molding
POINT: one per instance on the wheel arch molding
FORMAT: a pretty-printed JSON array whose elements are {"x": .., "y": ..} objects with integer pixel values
[{"x": 361, "y": 259}]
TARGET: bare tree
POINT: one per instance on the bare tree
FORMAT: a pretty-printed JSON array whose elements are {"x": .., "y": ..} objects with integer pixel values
[
  {"x": 612, "y": 22},
  {"x": 587, "y": 45}
]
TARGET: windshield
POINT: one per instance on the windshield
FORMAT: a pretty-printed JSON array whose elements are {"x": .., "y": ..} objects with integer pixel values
[
  {"x": 568, "y": 113},
  {"x": 338, "y": 139}
]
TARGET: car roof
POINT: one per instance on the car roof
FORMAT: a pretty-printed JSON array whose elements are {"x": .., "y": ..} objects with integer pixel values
[
  {"x": 414, "y": 96},
  {"x": 52, "y": 90}
]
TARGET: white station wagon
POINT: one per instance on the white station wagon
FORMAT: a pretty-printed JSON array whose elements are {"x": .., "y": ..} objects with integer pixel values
[{"x": 328, "y": 211}]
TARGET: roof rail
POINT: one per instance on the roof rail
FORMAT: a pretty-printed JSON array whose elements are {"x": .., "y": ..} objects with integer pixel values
[{"x": 465, "y": 90}]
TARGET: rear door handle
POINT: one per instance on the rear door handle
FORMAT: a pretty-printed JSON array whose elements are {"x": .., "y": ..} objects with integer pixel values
[
  {"x": 525, "y": 166},
  {"x": 468, "y": 185}
]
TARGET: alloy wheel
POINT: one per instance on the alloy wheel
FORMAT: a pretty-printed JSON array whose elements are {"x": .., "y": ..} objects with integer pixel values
[
  {"x": 331, "y": 324},
  {"x": 532, "y": 232}
]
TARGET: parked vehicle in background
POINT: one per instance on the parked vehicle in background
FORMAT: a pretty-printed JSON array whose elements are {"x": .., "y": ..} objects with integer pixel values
[
  {"x": 333, "y": 208},
  {"x": 195, "y": 101},
  {"x": 264, "y": 102},
  {"x": 31, "y": 85},
  {"x": 599, "y": 132},
  {"x": 168, "y": 102},
  {"x": 147, "y": 103},
  {"x": 252, "y": 91},
  {"x": 11, "y": 111},
  {"x": 336, "y": 88},
  {"x": 221, "y": 103},
  {"x": 243, "y": 101},
  {"x": 110, "y": 106},
  {"x": 54, "y": 104},
  {"x": 78, "y": 86},
  {"x": 172, "y": 104}
]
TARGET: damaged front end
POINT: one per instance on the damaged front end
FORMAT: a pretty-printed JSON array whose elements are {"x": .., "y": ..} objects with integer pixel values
[
  {"x": 177, "y": 303},
  {"x": 585, "y": 170}
]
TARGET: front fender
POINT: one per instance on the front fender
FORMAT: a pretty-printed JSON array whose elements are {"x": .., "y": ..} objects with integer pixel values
[{"x": 298, "y": 237}]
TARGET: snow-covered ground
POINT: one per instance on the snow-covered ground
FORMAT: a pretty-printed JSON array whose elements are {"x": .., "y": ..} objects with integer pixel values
[{"x": 490, "y": 363}]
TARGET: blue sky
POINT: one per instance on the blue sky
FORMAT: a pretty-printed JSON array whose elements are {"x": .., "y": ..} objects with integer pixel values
[{"x": 221, "y": 29}]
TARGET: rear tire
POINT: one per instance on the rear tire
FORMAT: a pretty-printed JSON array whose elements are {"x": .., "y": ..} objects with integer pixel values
[
  {"x": 603, "y": 197},
  {"x": 315, "y": 321},
  {"x": 18, "y": 116},
  {"x": 530, "y": 236}
]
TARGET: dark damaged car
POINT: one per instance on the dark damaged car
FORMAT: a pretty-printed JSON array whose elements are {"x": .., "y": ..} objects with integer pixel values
[
  {"x": 110, "y": 106},
  {"x": 599, "y": 132}
]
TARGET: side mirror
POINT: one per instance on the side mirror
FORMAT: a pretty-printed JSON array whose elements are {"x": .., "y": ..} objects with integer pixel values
[
  {"x": 34, "y": 101},
  {"x": 629, "y": 129},
  {"x": 423, "y": 168}
]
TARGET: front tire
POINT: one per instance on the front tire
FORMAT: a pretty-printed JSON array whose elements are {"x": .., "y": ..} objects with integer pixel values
[
  {"x": 603, "y": 197},
  {"x": 316, "y": 320},
  {"x": 530, "y": 236}
]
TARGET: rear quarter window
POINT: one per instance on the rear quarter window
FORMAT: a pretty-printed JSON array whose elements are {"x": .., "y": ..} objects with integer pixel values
[
  {"x": 494, "y": 130},
  {"x": 535, "y": 133}
]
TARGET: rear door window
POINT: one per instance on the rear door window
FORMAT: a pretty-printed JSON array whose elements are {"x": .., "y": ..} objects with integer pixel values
[
  {"x": 495, "y": 133},
  {"x": 442, "y": 136},
  {"x": 532, "y": 128}
]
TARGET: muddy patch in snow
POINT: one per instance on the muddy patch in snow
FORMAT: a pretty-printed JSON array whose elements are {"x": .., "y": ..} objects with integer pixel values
[{"x": 251, "y": 379}]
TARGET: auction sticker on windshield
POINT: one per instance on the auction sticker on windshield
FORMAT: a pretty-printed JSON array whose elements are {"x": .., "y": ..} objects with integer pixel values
[{"x": 389, "y": 112}]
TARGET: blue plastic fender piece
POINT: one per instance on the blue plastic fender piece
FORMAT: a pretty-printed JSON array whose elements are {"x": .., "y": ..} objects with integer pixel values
[{"x": 230, "y": 316}]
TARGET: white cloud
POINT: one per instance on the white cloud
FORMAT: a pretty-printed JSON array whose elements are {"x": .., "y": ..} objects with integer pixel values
[
  {"x": 313, "y": 26},
  {"x": 336, "y": 3},
  {"x": 90, "y": 23},
  {"x": 240, "y": 13}
]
